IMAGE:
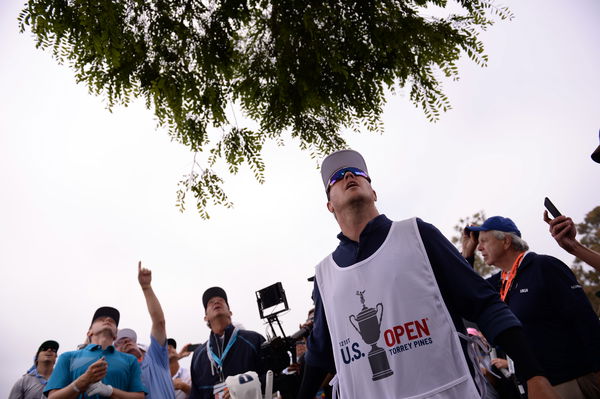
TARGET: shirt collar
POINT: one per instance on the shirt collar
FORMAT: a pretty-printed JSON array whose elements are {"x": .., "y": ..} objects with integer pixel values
[
  {"x": 95, "y": 347},
  {"x": 33, "y": 372},
  {"x": 373, "y": 225}
]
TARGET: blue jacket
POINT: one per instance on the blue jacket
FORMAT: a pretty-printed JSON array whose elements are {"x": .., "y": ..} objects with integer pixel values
[
  {"x": 559, "y": 321},
  {"x": 243, "y": 356}
]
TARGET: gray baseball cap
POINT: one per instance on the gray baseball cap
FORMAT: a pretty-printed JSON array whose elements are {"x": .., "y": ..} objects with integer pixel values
[{"x": 339, "y": 160}]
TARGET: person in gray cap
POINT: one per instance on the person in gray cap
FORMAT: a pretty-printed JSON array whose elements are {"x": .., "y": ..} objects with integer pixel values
[
  {"x": 544, "y": 294},
  {"x": 156, "y": 374},
  {"x": 228, "y": 351},
  {"x": 389, "y": 304},
  {"x": 31, "y": 384},
  {"x": 97, "y": 370}
]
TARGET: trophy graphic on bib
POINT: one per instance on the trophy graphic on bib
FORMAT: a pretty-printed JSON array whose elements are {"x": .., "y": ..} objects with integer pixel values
[{"x": 369, "y": 330}]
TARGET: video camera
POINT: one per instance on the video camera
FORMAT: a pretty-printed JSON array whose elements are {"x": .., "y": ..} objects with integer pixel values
[{"x": 279, "y": 351}]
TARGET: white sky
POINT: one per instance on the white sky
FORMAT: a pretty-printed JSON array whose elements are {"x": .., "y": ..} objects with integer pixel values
[{"x": 86, "y": 193}]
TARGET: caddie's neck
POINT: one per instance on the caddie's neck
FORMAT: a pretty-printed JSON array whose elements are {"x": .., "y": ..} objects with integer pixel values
[
  {"x": 353, "y": 220},
  {"x": 219, "y": 324}
]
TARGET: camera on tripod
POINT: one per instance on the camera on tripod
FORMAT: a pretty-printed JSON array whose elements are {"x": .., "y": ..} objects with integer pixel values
[{"x": 280, "y": 350}]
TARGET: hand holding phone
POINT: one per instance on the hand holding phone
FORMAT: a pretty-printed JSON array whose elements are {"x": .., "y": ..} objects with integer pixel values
[
  {"x": 192, "y": 347},
  {"x": 551, "y": 208}
]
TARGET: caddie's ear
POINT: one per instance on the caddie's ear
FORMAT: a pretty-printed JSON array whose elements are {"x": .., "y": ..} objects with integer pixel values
[
  {"x": 330, "y": 207},
  {"x": 374, "y": 196}
]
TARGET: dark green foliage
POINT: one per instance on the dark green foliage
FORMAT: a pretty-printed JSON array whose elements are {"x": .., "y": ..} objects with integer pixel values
[
  {"x": 307, "y": 68},
  {"x": 482, "y": 268}
]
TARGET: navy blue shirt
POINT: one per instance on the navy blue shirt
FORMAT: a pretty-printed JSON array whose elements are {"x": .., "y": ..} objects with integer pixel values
[
  {"x": 465, "y": 293},
  {"x": 560, "y": 324}
]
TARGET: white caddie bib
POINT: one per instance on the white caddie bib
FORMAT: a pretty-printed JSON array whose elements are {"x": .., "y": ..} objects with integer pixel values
[{"x": 391, "y": 332}]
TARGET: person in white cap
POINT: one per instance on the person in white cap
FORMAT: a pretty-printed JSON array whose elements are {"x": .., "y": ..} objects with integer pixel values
[
  {"x": 156, "y": 373},
  {"x": 389, "y": 303}
]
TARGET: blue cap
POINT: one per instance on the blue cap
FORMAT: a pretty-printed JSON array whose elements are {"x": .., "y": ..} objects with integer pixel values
[{"x": 497, "y": 223}]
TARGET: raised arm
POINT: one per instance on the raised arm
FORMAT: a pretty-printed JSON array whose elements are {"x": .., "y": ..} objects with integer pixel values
[
  {"x": 158, "y": 330},
  {"x": 564, "y": 232}
]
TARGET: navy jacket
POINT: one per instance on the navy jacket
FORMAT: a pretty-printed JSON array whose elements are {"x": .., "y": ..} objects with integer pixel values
[
  {"x": 243, "y": 356},
  {"x": 559, "y": 321}
]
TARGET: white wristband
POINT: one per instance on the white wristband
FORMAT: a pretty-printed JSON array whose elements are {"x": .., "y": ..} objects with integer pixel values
[{"x": 74, "y": 387}]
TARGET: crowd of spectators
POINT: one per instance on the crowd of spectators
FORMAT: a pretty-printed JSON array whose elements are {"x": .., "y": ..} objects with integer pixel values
[{"x": 533, "y": 331}]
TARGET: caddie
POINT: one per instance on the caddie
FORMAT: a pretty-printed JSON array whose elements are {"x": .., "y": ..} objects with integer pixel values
[{"x": 389, "y": 304}]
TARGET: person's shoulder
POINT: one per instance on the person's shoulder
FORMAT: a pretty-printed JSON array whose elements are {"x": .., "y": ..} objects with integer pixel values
[
  {"x": 494, "y": 278},
  {"x": 70, "y": 354},
  {"x": 23, "y": 378},
  {"x": 198, "y": 352},
  {"x": 251, "y": 334},
  {"x": 535, "y": 260},
  {"x": 427, "y": 229}
]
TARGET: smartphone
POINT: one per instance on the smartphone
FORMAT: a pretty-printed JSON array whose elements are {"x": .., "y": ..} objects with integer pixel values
[
  {"x": 192, "y": 347},
  {"x": 551, "y": 208}
]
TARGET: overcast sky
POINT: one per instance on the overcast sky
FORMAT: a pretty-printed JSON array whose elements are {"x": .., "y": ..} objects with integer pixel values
[{"x": 87, "y": 193}]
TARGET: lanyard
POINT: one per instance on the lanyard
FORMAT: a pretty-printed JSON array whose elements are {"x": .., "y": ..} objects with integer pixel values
[
  {"x": 216, "y": 359},
  {"x": 508, "y": 277}
]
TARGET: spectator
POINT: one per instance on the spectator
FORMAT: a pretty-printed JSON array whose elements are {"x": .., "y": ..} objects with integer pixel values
[
  {"x": 97, "y": 370},
  {"x": 564, "y": 232},
  {"x": 228, "y": 351},
  {"x": 31, "y": 384},
  {"x": 403, "y": 286},
  {"x": 560, "y": 324},
  {"x": 156, "y": 374},
  {"x": 182, "y": 380}
]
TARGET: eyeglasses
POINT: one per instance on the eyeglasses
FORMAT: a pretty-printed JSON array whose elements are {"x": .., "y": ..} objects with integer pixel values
[
  {"x": 45, "y": 349},
  {"x": 339, "y": 175}
]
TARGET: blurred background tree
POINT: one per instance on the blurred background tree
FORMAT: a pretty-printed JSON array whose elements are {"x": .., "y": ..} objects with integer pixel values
[
  {"x": 483, "y": 269},
  {"x": 589, "y": 236}
]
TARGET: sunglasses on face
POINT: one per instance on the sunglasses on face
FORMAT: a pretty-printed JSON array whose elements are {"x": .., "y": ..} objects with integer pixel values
[
  {"x": 339, "y": 175},
  {"x": 45, "y": 349}
]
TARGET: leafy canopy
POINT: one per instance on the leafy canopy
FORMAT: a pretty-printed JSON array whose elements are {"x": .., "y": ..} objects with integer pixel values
[{"x": 300, "y": 67}]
